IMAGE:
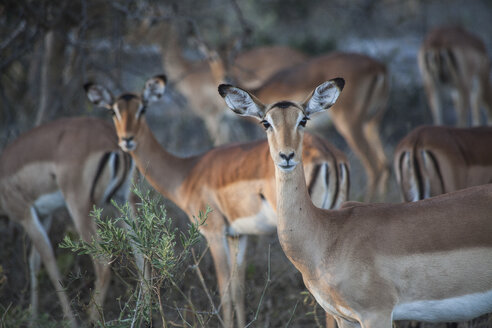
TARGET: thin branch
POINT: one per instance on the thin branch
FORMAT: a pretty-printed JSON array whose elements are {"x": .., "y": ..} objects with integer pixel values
[
  {"x": 264, "y": 290},
  {"x": 19, "y": 53},
  {"x": 18, "y": 30},
  {"x": 202, "y": 281},
  {"x": 245, "y": 25},
  {"x": 292, "y": 315}
]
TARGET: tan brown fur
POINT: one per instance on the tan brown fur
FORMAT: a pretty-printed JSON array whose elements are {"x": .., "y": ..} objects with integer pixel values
[
  {"x": 453, "y": 60},
  {"x": 365, "y": 262},
  {"x": 234, "y": 180},
  {"x": 457, "y": 158},
  {"x": 358, "y": 112},
  {"x": 198, "y": 80},
  {"x": 62, "y": 155},
  {"x": 253, "y": 67}
]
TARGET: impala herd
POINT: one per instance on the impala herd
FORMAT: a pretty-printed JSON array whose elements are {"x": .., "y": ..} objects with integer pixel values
[{"x": 366, "y": 264}]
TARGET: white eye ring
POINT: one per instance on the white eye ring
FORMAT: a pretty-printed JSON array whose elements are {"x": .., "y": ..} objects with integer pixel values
[
  {"x": 141, "y": 110},
  {"x": 303, "y": 121}
]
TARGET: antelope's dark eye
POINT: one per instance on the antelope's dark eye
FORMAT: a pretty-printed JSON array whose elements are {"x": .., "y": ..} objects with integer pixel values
[
  {"x": 265, "y": 123},
  {"x": 112, "y": 112},
  {"x": 142, "y": 111},
  {"x": 304, "y": 121}
]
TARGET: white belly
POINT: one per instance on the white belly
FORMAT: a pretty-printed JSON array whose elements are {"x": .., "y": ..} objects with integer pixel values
[
  {"x": 451, "y": 309},
  {"x": 262, "y": 223},
  {"x": 46, "y": 204}
]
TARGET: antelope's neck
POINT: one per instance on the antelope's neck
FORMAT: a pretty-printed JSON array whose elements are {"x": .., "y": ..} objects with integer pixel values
[
  {"x": 175, "y": 64},
  {"x": 164, "y": 171},
  {"x": 297, "y": 225}
]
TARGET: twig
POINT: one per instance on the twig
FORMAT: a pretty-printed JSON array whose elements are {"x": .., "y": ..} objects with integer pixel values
[
  {"x": 161, "y": 310},
  {"x": 202, "y": 281},
  {"x": 21, "y": 51},
  {"x": 183, "y": 318},
  {"x": 292, "y": 315},
  {"x": 6, "y": 311},
  {"x": 137, "y": 306},
  {"x": 18, "y": 30},
  {"x": 188, "y": 300},
  {"x": 264, "y": 290},
  {"x": 246, "y": 27}
]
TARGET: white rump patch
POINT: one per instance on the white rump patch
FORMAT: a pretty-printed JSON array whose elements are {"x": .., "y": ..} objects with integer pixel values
[
  {"x": 343, "y": 185},
  {"x": 407, "y": 176},
  {"x": 425, "y": 177},
  {"x": 321, "y": 194}
]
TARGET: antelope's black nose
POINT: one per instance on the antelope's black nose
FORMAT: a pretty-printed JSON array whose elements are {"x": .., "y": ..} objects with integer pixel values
[{"x": 286, "y": 157}]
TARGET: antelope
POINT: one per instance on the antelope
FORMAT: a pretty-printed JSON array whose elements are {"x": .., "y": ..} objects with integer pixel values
[
  {"x": 198, "y": 83},
  {"x": 454, "y": 61},
  {"x": 356, "y": 115},
  {"x": 370, "y": 264},
  {"x": 433, "y": 160},
  {"x": 236, "y": 181},
  {"x": 73, "y": 163},
  {"x": 253, "y": 67}
]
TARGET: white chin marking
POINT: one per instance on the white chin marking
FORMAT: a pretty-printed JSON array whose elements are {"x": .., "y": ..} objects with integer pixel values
[
  {"x": 126, "y": 147},
  {"x": 287, "y": 168}
]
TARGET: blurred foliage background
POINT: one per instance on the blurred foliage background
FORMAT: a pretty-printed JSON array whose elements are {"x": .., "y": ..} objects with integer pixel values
[{"x": 49, "y": 49}]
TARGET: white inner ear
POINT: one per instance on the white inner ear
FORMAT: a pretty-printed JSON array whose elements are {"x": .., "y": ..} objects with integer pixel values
[
  {"x": 323, "y": 97},
  {"x": 240, "y": 102},
  {"x": 154, "y": 90},
  {"x": 100, "y": 96}
]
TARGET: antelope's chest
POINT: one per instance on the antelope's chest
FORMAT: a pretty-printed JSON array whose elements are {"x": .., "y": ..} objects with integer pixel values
[{"x": 329, "y": 305}]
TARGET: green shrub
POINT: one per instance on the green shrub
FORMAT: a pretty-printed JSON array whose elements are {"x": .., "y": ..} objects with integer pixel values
[{"x": 148, "y": 233}]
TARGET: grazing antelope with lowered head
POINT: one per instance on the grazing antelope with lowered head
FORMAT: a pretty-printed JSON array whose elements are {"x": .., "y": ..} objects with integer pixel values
[
  {"x": 73, "y": 163},
  {"x": 370, "y": 264},
  {"x": 237, "y": 181},
  {"x": 197, "y": 82},
  {"x": 455, "y": 61},
  {"x": 358, "y": 112},
  {"x": 433, "y": 160}
]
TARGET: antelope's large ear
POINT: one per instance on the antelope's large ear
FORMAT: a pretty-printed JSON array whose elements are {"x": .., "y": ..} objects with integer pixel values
[
  {"x": 154, "y": 89},
  {"x": 324, "y": 96},
  {"x": 99, "y": 95},
  {"x": 242, "y": 102}
]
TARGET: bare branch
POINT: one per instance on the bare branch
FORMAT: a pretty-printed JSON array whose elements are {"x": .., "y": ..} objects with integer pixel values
[
  {"x": 26, "y": 46},
  {"x": 18, "y": 30}
]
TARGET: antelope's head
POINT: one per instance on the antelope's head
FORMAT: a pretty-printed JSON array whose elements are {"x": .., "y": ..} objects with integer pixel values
[
  {"x": 128, "y": 109},
  {"x": 283, "y": 121}
]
